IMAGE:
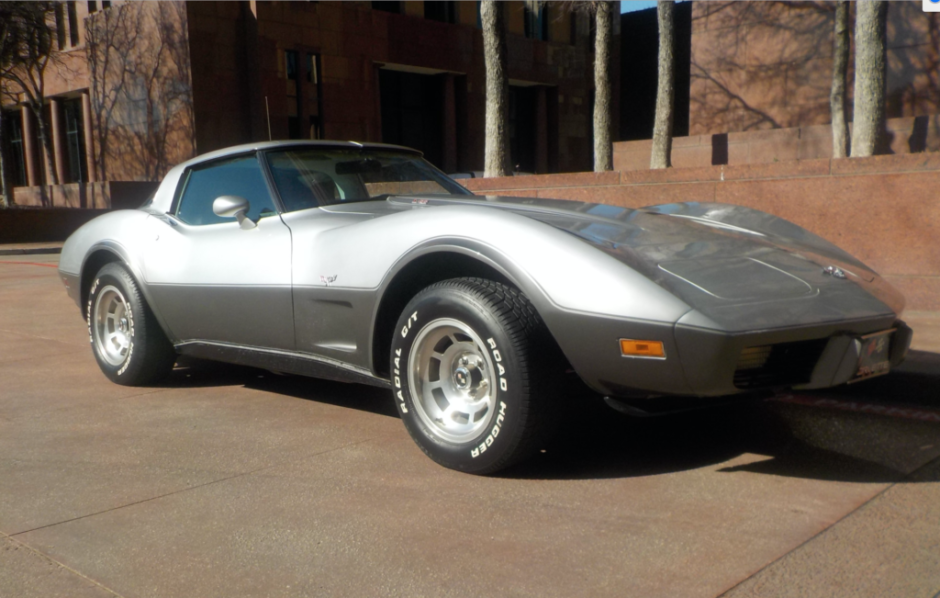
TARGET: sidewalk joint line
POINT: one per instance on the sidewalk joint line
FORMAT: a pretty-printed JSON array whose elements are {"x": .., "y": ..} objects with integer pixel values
[
  {"x": 187, "y": 489},
  {"x": 832, "y": 526},
  {"x": 43, "y": 555}
]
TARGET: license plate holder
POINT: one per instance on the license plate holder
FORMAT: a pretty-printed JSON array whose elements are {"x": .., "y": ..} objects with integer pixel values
[{"x": 873, "y": 355}]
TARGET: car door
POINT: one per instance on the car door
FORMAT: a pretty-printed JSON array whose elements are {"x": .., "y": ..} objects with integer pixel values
[{"x": 212, "y": 280}]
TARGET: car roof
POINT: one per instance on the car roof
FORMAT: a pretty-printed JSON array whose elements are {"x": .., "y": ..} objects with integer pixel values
[{"x": 268, "y": 145}]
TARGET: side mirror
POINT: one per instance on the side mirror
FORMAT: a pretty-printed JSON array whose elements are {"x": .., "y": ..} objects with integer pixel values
[{"x": 229, "y": 206}]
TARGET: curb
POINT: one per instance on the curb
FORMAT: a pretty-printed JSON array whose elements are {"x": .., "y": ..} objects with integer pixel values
[{"x": 30, "y": 251}]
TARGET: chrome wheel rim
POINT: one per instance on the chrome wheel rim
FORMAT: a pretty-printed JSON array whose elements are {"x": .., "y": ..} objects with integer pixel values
[
  {"x": 452, "y": 380},
  {"x": 112, "y": 325}
]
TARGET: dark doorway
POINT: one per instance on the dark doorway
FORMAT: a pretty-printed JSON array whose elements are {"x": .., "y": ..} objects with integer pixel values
[
  {"x": 412, "y": 112},
  {"x": 522, "y": 128}
]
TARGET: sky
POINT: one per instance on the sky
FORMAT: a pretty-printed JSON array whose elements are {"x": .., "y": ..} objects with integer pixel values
[{"x": 632, "y": 5}]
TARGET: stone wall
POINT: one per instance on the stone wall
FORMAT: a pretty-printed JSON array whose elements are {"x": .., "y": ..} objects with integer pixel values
[
  {"x": 909, "y": 135},
  {"x": 29, "y": 225},
  {"x": 115, "y": 195},
  {"x": 884, "y": 210}
]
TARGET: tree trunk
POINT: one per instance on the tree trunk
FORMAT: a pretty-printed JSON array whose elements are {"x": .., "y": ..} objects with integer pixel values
[
  {"x": 661, "y": 156},
  {"x": 603, "y": 146},
  {"x": 497, "y": 160},
  {"x": 869, "y": 120},
  {"x": 840, "y": 67},
  {"x": 7, "y": 200}
]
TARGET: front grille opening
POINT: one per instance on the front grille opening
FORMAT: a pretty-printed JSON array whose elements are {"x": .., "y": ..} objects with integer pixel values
[{"x": 783, "y": 364}]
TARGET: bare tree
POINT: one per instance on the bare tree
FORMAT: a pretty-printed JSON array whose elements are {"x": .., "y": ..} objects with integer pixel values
[
  {"x": 661, "y": 155},
  {"x": 497, "y": 160},
  {"x": 870, "y": 67},
  {"x": 603, "y": 13},
  {"x": 31, "y": 33},
  {"x": 840, "y": 67},
  {"x": 139, "y": 73},
  {"x": 109, "y": 38},
  {"x": 603, "y": 89}
]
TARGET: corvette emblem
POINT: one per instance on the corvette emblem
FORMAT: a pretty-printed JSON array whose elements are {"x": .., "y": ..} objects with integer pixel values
[
  {"x": 834, "y": 272},
  {"x": 327, "y": 280}
]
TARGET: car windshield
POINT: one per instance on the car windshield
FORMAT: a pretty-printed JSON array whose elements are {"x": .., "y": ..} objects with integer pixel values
[{"x": 308, "y": 177}]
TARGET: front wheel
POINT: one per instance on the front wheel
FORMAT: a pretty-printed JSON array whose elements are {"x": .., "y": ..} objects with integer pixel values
[
  {"x": 470, "y": 375},
  {"x": 126, "y": 339}
]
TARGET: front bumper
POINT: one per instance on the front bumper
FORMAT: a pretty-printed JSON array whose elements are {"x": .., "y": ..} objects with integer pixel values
[
  {"x": 705, "y": 362},
  {"x": 809, "y": 357}
]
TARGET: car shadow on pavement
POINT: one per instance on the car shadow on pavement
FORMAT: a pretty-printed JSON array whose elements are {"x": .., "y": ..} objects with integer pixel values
[
  {"x": 778, "y": 438},
  {"x": 198, "y": 373},
  {"x": 775, "y": 438},
  {"x": 594, "y": 441}
]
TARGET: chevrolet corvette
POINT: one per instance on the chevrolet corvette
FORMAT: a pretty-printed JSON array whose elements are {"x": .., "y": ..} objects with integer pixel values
[{"x": 363, "y": 263}]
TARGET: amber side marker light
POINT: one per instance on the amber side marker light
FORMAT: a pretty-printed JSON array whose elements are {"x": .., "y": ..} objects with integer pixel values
[{"x": 633, "y": 348}]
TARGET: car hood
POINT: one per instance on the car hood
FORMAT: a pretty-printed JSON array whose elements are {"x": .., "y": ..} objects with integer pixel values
[{"x": 724, "y": 260}]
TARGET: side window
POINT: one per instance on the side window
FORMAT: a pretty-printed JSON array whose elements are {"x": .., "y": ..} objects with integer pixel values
[{"x": 239, "y": 176}]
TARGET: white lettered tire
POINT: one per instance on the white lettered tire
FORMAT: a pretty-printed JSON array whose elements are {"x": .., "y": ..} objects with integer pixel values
[
  {"x": 126, "y": 339},
  {"x": 468, "y": 378}
]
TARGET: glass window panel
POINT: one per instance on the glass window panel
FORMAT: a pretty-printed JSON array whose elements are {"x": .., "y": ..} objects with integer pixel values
[
  {"x": 74, "y": 140},
  {"x": 311, "y": 177},
  {"x": 15, "y": 124},
  {"x": 73, "y": 22},
  {"x": 290, "y": 61},
  {"x": 239, "y": 176},
  {"x": 312, "y": 75}
]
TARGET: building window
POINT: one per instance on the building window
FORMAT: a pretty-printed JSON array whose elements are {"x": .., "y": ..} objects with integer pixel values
[
  {"x": 444, "y": 11},
  {"x": 74, "y": 141},
  {"x": 14, "y": 120},
  {"x": 73, "y": 22},
  {"x": 536, "y": 22},
  {"x": 312, "y": 74},
  {"x": 293, "y": 94},
  {"x": 92, "y": 6},
  {"x": 315, "y": 131},
  {"x": 392, "y": 7},
  {"x": 304, "y": 95},
  {"x": 315, "y": 97},
  {"x": 60, "y": 26},
  {"x": 105, "y": 4},
  {"x": 290, "y": 63}
]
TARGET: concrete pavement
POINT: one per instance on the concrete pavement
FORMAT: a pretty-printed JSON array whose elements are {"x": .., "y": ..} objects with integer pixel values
[{"x": 235, "y": 482}]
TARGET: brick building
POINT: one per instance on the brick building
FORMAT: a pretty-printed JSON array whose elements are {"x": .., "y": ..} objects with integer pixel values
[{"x": 138, "y": 87}]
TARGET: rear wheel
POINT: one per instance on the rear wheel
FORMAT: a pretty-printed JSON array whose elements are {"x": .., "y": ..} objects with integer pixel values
[
  {"x": 127, "y": 342},
  {"x": 470, "y": 383}
]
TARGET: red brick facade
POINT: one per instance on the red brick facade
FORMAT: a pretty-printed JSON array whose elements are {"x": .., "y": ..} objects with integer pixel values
[
  {"x": 767, "y": 65},
  {"x": 140, "y": 86}
]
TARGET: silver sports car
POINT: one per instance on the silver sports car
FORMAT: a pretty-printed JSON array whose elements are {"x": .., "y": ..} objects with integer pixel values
[{"x": 363, "y": 263}]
